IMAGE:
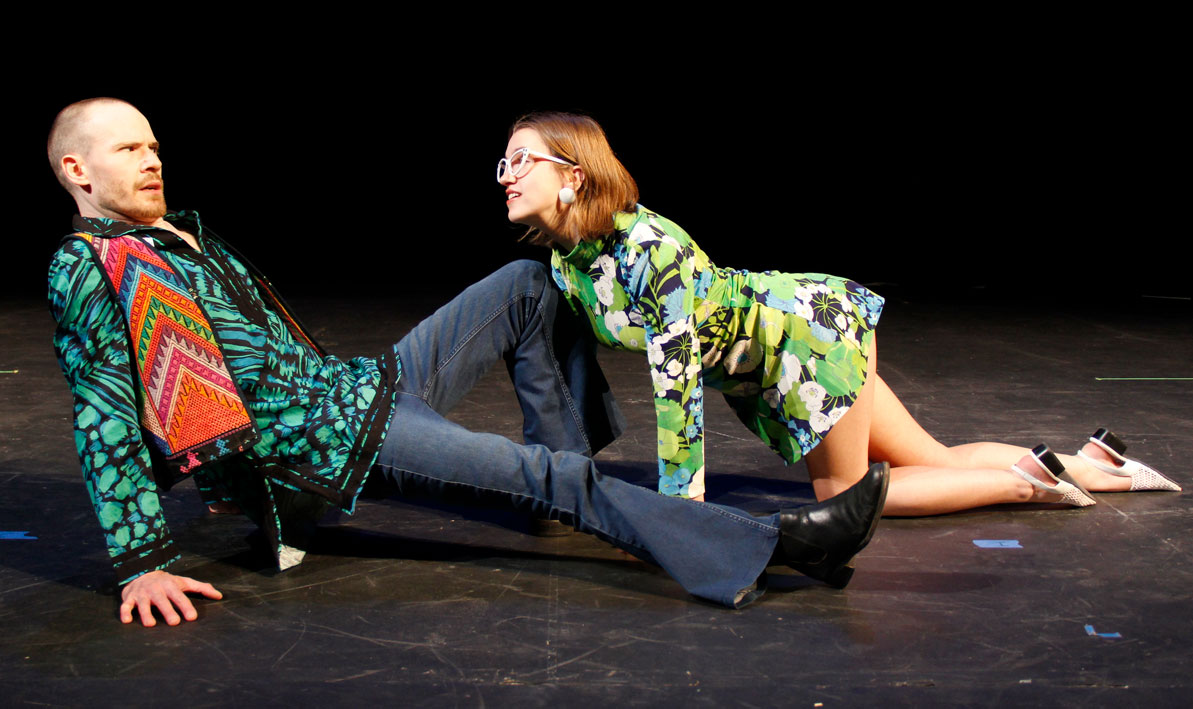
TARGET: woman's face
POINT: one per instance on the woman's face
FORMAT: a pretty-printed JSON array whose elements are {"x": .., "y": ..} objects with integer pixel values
[{"x": 533, "y": 198}]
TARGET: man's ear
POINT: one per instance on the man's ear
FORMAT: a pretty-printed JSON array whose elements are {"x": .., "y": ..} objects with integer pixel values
[{"x": 75, "y": 170}]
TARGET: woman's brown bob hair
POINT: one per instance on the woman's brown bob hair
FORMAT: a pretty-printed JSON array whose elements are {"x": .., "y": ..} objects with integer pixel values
[{"x": 607, "y": 186}]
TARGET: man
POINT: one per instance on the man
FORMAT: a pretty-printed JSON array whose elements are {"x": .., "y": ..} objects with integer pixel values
[{"x": 183, "y": 361}]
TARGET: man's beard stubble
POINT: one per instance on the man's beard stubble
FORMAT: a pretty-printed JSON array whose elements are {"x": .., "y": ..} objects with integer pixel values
[{"x": 135, "y": 207}]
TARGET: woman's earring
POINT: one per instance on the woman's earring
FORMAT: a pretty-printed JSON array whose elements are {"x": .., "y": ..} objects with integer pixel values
[{"x": 567, "y": 195}]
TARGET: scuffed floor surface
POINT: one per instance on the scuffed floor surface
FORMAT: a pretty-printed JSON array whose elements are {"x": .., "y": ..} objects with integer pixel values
[{"x": 444, "y": 606}]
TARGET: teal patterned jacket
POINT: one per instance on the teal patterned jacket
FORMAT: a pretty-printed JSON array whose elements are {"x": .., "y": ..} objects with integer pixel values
[{"x": 321, "y": 419}]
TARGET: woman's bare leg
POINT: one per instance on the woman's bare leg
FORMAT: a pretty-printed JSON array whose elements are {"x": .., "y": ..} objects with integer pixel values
[
  {"x": 1001, "y": 456},
  {"x": 896, "y": 437},
  {"x": 918, "y": 491},
  {"x": 841, "y": 458},
  {"x": 927, "y": 477}
]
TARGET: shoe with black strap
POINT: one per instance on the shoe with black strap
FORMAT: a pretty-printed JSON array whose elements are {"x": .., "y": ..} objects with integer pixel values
[
  {"x": 1063, "y": 484},
  {"x": 1142, "y": 476}
]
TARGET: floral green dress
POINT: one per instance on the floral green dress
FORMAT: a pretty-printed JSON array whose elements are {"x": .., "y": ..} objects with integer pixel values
[{"x": 788, "y": 351}]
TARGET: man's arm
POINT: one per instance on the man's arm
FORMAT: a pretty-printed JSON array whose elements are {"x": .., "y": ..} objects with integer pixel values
[{"x": 93, "y": 350}]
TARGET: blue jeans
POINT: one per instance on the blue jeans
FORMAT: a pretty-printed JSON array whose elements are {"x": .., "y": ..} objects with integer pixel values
[{"x": 715, "y": 552}]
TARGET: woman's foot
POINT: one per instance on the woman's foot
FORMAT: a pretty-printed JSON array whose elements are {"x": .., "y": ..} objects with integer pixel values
[
  {"x": 1100, "y": 465},
  {"x": 1080, "y": 467},
  {"x": 1049, "y": 480},
  {"x": 1027, "y": 464}
]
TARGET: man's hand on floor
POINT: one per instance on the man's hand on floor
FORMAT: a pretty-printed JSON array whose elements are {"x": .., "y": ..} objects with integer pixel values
[{"x": 166, "y": 592}]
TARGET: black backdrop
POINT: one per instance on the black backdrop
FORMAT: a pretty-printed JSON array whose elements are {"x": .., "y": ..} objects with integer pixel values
[{"x": 956, "y": 175}]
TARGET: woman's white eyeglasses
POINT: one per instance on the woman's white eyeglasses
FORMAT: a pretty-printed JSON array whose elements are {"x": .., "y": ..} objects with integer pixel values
[{"x": 521, "y": 161}]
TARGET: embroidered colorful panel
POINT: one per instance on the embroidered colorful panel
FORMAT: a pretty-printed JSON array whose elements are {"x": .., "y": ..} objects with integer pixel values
[{"x": 190, "y": 398}]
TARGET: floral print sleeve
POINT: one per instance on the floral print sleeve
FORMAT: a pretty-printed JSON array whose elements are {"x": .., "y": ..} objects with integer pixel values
[
  {"x": 658, "y": 275},
  {"x": 638, "y": 292},
  {"x": 92, "y": 348}
]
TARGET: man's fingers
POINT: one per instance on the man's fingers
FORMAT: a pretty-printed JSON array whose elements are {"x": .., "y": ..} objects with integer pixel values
[
  {"x": 175, "y": 597},
  {"x": 145, "y": 610},
  {"x": 126, "y": 611},
  {"x": 190, "y": 585},
  {"x": 165, "y": 592}
]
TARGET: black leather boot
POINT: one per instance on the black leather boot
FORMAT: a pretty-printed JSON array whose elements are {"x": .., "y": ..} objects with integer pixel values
[{"x": 820, "y": 540}]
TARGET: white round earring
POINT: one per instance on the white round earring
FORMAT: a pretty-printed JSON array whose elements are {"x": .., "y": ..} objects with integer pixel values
[{"x": 567, "y": 195}]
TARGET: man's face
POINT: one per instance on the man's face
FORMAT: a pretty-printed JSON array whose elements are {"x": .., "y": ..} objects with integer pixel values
[{"x": 122, "y": 167}]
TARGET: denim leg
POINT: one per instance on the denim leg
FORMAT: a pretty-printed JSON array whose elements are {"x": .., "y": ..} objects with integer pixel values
[
  {"x": 715, "y": 552},
  {"x": 514, "y": 315}
]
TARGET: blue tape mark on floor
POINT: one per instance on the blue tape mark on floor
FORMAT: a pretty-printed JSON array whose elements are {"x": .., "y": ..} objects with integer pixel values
[
  {"x": 997, "y": 543},
  {"x": 1089, "y": 630},
  {"x": 15, "y": 535}
]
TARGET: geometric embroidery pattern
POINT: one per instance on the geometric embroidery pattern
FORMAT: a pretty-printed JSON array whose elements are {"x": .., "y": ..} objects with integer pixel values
[{"x": 190, "y": 399}]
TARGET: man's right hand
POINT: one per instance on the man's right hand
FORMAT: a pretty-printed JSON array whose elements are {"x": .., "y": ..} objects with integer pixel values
[{"x": 164, "y": 591}]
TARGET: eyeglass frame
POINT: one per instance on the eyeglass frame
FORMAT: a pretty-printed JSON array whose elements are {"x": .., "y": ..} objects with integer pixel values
[{"x": 504, "y": 166}]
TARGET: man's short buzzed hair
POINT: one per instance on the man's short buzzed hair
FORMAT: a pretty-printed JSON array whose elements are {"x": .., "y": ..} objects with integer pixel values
[{"x": 68, "y": 133}]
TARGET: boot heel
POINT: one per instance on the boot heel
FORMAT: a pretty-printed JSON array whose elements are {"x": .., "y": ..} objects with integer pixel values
[{"x": 840, "y": 578}]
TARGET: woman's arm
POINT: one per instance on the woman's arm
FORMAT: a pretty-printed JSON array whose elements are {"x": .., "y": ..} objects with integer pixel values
[{"x": 661, "y": 291}]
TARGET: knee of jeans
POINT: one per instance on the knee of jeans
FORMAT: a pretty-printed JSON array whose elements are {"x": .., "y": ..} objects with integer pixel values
[{"x": 526, "y": 272}]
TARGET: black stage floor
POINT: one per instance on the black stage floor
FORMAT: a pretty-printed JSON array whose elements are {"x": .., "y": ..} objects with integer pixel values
[{"x": 442, "y": 606}]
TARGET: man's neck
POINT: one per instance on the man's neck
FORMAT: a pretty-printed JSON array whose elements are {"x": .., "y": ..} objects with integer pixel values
[
  {"x": 159, "y": 223},
  {"x": 184, "y": 235}
]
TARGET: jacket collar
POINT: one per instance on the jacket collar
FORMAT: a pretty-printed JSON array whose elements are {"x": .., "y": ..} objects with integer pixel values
[{"x": 108, "y": 228}]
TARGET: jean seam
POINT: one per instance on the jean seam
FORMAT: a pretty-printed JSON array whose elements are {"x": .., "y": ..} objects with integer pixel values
[
  {"x": 440, "y": 366},
  {"x": 504, "y": 307},
  {"x": 748, "y": 521},
  {"x": 567, "y": 394},
  {"x": 520, "y": 495}
]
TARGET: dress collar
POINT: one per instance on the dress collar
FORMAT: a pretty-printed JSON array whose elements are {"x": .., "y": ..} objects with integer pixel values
[
  {"x": 587, "y": 251},
  {"x": 584, "y": 254}
]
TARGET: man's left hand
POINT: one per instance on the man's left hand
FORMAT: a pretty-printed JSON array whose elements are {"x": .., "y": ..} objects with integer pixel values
[{"x": 165, "y": 592}]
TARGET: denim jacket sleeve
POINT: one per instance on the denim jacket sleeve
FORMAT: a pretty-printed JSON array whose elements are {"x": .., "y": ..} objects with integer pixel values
[{"x": 91, "y": 341}]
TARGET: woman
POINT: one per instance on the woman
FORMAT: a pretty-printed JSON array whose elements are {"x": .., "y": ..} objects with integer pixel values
[{"x": 794, "y": 354}]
